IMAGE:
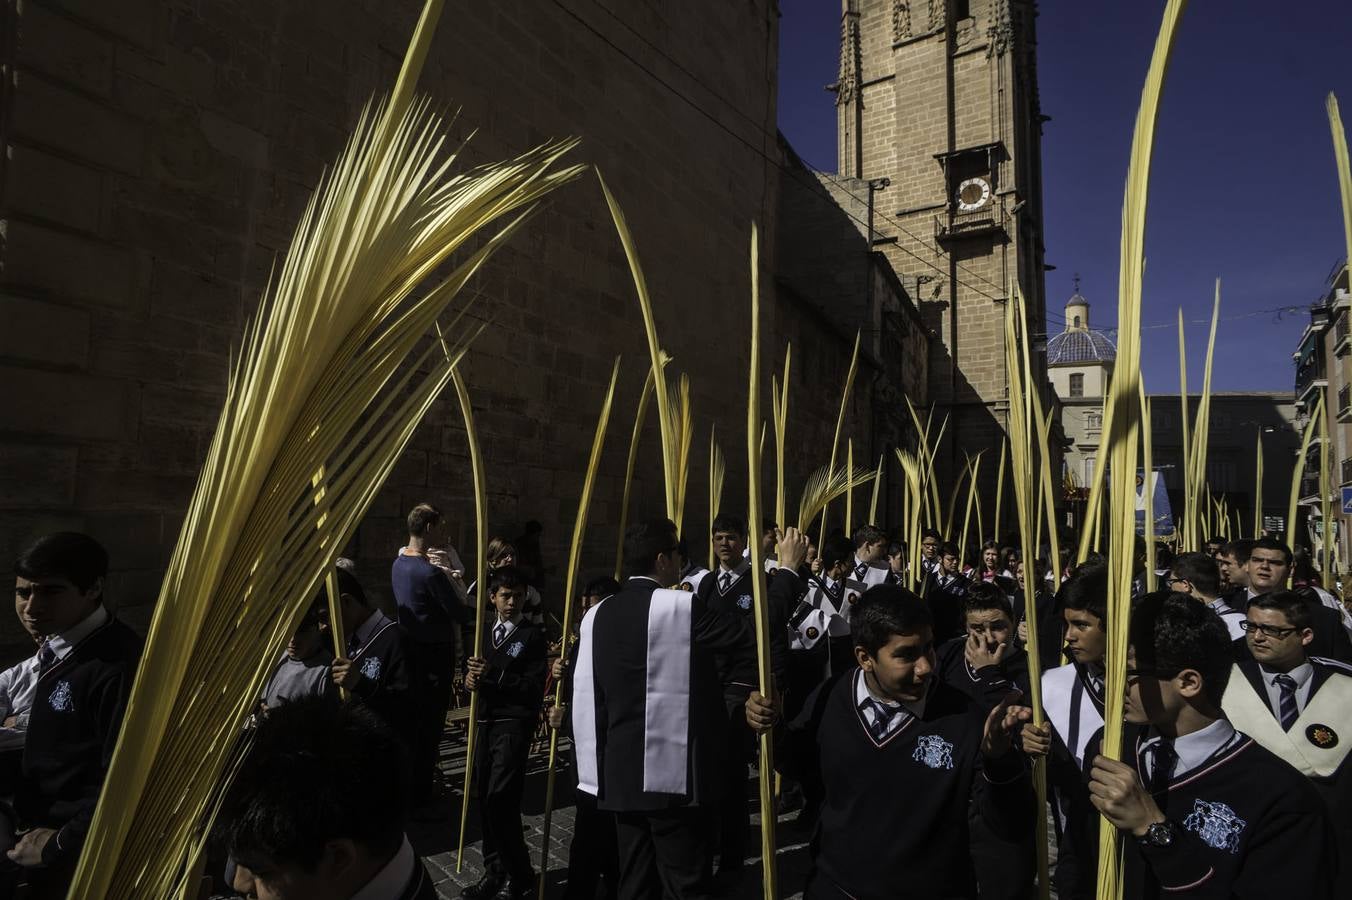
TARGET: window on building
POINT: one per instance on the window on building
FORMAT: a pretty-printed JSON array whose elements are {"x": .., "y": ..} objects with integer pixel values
[
  {"x": 1093, "y": 420},
  {"x": 1088, "y": 470},
  {"x": 962, "y": 9},
  {"x": 1077, "y": 321},
  {"x": 1077, "y": 384}
]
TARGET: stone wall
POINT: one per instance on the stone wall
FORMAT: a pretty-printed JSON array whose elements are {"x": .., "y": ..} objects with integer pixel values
[{"x": 163, "y": 150}]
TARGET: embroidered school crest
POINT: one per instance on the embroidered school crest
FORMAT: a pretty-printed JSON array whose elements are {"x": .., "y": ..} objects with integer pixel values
[
  {"x": 812, "y": 633},
  {"x": 1322, "y": 736},
  {"x": 60, "y": 698},
  {"x": 744, "y": 601},
  {"x": 933, "y": 751},
  {"x": 371, "y": 668},
  {"x": 515, "y": 649},
  {"x": 1216, "y": 824}
]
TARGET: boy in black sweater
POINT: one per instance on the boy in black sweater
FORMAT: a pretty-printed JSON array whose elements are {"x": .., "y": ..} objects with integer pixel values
[
  {"x": 510, "y": 679},
  {"x": 896, "y": 752},
  {"x": 87, "y": 660},
  {"x": 1203, "y": 809},
  {"x": 985, "y": 664},
  {"x": 374, "y": 666}
]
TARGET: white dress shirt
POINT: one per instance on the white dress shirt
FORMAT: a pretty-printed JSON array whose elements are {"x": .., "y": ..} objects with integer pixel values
[
  {"x": 61, "y": 644},
  {"x": 393, "y": 880},
  {"x": 1194, "y": 750},
  {"x": 1302, "y": 674},
  {"x": 914, "y": 708}
]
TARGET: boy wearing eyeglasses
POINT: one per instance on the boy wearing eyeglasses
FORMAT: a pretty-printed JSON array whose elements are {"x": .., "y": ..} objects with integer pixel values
[
  {"x": 1296, "y": 705},
  {"x": 1203, "y": 810}
]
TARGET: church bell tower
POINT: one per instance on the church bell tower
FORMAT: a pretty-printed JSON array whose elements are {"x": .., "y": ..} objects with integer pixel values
[{"x": 939, "y": 97}]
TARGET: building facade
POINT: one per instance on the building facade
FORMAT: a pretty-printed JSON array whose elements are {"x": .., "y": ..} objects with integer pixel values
[
  {"x": 938, "y": 114},
  {"x": 158, "y": 155},
  {"x": 1080, "y": 366},
  {"x": 1323, "y": 362}
]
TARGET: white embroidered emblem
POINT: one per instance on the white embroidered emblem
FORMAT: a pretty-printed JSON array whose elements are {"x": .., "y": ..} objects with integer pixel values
[
  {"x": 515, "y": 650},
  {"x": 1216, "y": 824},
  {"x": 744, "y": 601},
  {"x": 371, "y": 668},
  {"x": 60, "y": 698},
  {"x": 933, "y": 751}
]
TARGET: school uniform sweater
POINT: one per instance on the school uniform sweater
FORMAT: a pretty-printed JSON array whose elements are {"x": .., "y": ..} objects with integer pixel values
[
  {"x": 1246, "y": 825},
  {"x": 378, "y": 651},
  {"x": 295, "y": 679},
  {"x": 1072, "y": 697},
  {"x": 986, "y": 686},
  {"x": 513, "y": 683},
  {"x": 733, "y": 597},
  {"x": 72, "y": 729},
  {"x": 944, "y": 594},
  {"x": 894, "y": 815}
]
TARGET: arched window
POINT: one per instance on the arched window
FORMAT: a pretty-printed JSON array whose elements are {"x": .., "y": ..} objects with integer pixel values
[
  {"x": 1077, "y": 385},
  {"x": 1077, "y": 321}
]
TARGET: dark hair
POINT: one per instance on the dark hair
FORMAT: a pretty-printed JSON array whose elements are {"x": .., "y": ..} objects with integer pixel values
[
  {"x": 768, "y": 524},
  {"x": 1164, "y": 556},
  {"x": 645, "y": 541},
  {"x": 1239, "y": 549},
  {"x": 602, "y": 587},
  {"x": 505, "y": 576},
  {"x": 883, "y": 611},
  {"x": 297, "y": 788},
  {"x": 1290, "y": 604},
  {"x": 310, "y": 621},
  {"x": 837, "y": 549},
  {"x": 1172, "y": 632},
  {"x": 727, "y": 522},
  {"x": 1087, "y": 589},
  {"x": 348, "y": 584},
  {"x": 497, "y": 548},
  {"x": 950, "y": 550},
  {"x": 896, "y": 548},
  {"x": 1218, "y": 541},
  {"x": 1272, "y": 544},
  {"x": 931, "y": 533},
  {"x": 422, "y": 517},
  {"x": 986, "y": 596},
  {"x": 868, "y": 534},
  {"x": 1199, "y": 569},
  {"x": 64, "y": 554}
]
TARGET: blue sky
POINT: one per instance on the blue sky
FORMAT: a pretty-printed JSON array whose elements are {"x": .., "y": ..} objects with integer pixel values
[{"x": 1243, "y": 183}]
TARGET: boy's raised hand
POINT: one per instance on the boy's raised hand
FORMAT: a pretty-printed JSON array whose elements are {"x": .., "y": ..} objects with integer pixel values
[{"x": 1001, "y": 724}]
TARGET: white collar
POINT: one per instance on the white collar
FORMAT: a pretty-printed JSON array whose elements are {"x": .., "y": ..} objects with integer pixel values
[
  {"x": 1301, "y": 674},
  {"x": 1196, "y": 749},
  {"x": 391, "y": 881},
  {"x": 63, "y": 643},
  {"x": 862, "y": 693},
  {"x": 742, "y": 568},
  {"x": 367, "y": 630}
]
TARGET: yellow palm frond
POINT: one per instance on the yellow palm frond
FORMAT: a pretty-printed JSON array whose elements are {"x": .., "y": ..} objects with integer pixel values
[
  {"x": 329, "y": 379},
  {"x": 825, "y": 485},
  {"x": 1123, "y": 440}
]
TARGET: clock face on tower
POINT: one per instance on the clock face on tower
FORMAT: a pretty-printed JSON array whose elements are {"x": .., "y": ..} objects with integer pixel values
[{"x": 973, "y": 194}]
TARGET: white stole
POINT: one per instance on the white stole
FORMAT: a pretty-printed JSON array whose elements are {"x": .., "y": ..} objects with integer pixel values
[
  {"x": 1061, "y": 688},
  {"x": 1329, "y": 708},
  {"x": 666, "y": 715},
  {"x": 584, "y": 708}
]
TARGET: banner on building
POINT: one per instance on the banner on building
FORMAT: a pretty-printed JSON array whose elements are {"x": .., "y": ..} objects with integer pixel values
[{"x": 1164, "y": 515}]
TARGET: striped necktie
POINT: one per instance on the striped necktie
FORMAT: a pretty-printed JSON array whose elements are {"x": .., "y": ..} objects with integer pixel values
[
  {"x": 1288, "y": 712},
  {"x": 46, "y": 657},
  {"x": 1162, "y": 762},
  {"x": 882, "y": 717},
  {"x": 725, "y": 581},
  {"x": 499, "y": 634}
]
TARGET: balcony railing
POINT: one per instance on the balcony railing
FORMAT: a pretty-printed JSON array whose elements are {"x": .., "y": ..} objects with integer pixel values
[
  {"x": 955, "y": 223},
  {"x": 1341, "y": 332}
]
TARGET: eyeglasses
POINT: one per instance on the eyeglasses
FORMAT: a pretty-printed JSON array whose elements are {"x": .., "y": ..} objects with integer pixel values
[
  {"x": 1271, "y": 631},
  {"x": 1175, "y": 581}
]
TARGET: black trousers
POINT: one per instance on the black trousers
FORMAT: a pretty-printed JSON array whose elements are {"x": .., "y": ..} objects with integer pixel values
[
  {"x": 734, "y": 815},
  {"x": 433, "y": 667},
  {"x": 664, "y": 855},
  {"x": 500, "y": 752},
  {"x": 593, "y": 857}
]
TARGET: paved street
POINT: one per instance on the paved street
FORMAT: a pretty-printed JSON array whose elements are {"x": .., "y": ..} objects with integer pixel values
[{"x": 436, "y": 841}]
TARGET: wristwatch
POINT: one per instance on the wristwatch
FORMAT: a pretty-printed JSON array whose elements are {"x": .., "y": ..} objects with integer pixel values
[{"x": 1158, "y": 834}]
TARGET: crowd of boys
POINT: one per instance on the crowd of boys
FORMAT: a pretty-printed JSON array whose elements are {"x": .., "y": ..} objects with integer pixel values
[{"x": 900, "y": 718}]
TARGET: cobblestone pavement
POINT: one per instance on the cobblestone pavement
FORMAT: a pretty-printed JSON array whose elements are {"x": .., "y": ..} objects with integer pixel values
[{"x": 436, "y": 841}]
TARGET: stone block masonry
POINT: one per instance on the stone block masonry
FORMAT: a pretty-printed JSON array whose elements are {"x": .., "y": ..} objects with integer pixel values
[{"x": 161, "y": 152}]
